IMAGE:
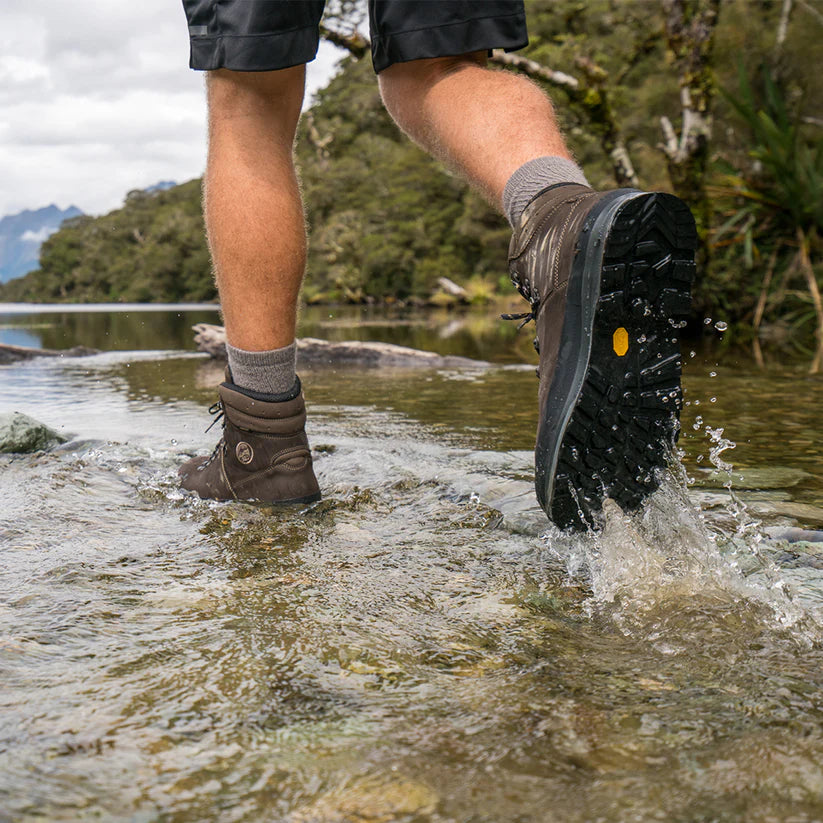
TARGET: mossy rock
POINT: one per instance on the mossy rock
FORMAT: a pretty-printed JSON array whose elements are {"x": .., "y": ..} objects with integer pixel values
[{"x": 21, "y": 434}]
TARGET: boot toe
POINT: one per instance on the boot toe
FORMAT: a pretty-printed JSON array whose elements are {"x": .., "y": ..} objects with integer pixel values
[{"x": 190, "y": 466}]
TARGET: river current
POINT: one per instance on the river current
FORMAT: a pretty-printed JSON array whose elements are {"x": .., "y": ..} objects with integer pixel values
[{"x": 421, "y": 645}]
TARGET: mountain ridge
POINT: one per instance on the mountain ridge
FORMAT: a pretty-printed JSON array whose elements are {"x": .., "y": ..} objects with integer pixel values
[{"x": 22, "y": 234}]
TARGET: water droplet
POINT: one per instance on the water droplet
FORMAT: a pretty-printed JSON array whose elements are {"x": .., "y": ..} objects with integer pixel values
[
  {"x": 647, "y": 311},
  {"x": 712, "y": 374},
  {"x": 721, "y": 325},
  {"x": 665, "y": 398},
  {"x": 173, "y": 442},
  {"x": 696, "y": 402},
  {"x": 699, "y": 458},
  {"x": 712, "y": 400},
  {"x": 642, "y": 338},
  {"x": 692, "y": 353},
  {"x": 707, "y": 321}
]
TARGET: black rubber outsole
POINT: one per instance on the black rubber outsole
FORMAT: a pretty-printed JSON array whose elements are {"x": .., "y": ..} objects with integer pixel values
[{"x": 616, "y": 420}]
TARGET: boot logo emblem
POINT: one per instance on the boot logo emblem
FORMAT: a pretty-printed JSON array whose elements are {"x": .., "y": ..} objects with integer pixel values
[{"x": 244, "y": 452}]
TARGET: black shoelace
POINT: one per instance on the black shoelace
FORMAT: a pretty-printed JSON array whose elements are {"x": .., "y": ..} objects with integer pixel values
[
  {"x": 215, "y": 409},
  {"x": 534, "y": 302}
]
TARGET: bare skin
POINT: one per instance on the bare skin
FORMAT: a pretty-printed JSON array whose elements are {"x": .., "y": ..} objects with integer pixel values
[
  {"x": 483, "y": 124},
  {"x": 254, "y": 214}
]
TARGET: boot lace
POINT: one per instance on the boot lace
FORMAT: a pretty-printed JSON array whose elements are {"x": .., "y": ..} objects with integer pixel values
[
  {"x": 525, "y": 288},
  {"x": 215, "y": 409}
]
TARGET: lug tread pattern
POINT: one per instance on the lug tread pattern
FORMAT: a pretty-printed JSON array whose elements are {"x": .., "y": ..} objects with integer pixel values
[{"x": 627, "y": 414}]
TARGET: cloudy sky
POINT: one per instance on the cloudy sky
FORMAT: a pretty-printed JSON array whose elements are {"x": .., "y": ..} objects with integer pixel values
[{"x": 96, "y": 98}]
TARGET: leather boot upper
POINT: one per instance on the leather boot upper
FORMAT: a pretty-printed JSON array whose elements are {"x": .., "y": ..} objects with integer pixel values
[
  {"x": 542, "y": 250},
  {"x": 263, "y": 455}
]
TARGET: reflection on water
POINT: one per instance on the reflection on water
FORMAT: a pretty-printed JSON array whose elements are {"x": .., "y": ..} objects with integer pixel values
[
  {"x": 420, "y": 645},
  {"x": 479, "y": 335},
  {"x": 108, "y": 328}
]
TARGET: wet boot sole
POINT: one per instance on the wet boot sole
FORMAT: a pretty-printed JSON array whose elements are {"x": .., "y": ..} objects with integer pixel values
[{"x": 612, "y": 410}]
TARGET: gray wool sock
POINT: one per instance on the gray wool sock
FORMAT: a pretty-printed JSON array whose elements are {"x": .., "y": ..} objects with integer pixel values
[
  {"x": 532, "y": 177},
  {"x": 265, "y": 372}
]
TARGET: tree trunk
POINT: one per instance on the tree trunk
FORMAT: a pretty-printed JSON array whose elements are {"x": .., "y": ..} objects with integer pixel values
[{"x": 690, "y": 26}]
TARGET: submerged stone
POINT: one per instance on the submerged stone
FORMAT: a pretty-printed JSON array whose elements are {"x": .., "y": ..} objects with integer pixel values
[
  {"x": 21, "y": 434},
  {"x": 371, "y": 799},
  {"x": 766, "y": 477}
]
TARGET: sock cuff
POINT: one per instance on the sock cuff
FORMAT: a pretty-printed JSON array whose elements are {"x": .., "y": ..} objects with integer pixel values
[
  {"x": 535, "y": 176},
  {"x": 253, "y": 358},
  {"x": 265, "y": 372}
]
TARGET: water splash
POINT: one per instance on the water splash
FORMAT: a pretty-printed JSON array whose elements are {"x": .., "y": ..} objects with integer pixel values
[{"x": 643, "y": 567}]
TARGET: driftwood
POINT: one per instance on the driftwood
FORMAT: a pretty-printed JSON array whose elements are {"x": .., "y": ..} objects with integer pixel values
[
  {"x": 451, "y": 288},
  {"x": 11, "y": 354},
  {"x": 314, "y": 352}
]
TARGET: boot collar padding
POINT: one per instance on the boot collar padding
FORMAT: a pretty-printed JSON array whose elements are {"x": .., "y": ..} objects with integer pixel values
[{"x": 284, "y": 417}]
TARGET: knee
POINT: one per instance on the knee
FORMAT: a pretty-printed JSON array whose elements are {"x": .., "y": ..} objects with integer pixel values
[
  {"x": 403, "y": 82},
  {"x": 267, "y": 94}
]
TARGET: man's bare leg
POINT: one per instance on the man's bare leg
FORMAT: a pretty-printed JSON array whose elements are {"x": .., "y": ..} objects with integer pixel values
[
  {"x": 257, "y": 237},
  {"x": 609, "y": 371},
  {"x": 485, "y": 124},
  {"x": 253, "y": 210}
]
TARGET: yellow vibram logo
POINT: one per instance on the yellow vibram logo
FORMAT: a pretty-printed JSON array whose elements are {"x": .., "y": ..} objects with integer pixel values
[{"x": 620, "y": 341}]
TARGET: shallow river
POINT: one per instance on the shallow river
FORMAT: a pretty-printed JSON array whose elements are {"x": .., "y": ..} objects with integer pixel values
[{"x": 420, "y": 645}]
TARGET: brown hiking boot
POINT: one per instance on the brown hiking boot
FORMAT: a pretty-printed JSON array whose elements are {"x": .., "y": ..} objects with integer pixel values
[
  {"x": 263, "y": 454},
  {"x": 608, "y": 276}
]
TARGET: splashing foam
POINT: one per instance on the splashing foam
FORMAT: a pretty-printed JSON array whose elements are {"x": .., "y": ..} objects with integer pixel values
[{"x": 668, "y": 555}]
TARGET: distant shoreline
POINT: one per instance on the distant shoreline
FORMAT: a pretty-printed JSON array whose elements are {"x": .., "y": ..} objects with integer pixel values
[{"x": 60, "y": 308}]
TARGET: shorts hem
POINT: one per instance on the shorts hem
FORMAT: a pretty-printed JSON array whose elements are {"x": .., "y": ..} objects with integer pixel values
[
  {"x": 254, "y": 52},
  {"x": 479, "y": 34}
]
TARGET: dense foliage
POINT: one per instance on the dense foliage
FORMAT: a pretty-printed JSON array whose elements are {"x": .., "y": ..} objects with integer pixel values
[
  {"x": 387, "y": 221},
  {"x": 152, "y": 249},
  {"x": 385, "y": 218}
]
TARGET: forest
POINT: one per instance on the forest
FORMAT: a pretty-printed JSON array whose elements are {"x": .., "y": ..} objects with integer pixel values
[{"x": 718, "y": 101}]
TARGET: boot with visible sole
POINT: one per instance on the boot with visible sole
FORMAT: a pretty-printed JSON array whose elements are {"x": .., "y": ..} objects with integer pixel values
[
  {"x": 263, "y": 454},
  {"x": 608, "y": 277}
]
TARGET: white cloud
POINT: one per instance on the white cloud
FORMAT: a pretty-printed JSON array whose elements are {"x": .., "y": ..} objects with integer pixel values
[
  {"x": 97, "y": 99},
  {"x": 39, "y": 236}
]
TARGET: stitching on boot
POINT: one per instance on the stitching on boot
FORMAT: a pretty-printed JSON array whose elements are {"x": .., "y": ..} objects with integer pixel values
[
  {"x": 225, "y": 476},
  {"x": 555, "y": 278},
  {"x": 274, "y": 467}
]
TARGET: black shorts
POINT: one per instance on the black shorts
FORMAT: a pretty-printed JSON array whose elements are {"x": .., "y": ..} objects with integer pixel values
[{"x": 265, "y": 35}]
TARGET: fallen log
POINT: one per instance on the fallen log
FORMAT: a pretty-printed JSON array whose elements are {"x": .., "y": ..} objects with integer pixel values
[
  {"x": 11, "y": 354},
  {"x": 314, "y": 352}
]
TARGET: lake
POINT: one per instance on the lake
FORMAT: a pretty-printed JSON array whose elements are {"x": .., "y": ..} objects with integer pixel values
[{"x": 420, "y": 645}]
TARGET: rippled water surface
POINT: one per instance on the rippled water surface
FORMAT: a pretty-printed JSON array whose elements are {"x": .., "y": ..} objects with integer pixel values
[{"x": 420, "y": 645}]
